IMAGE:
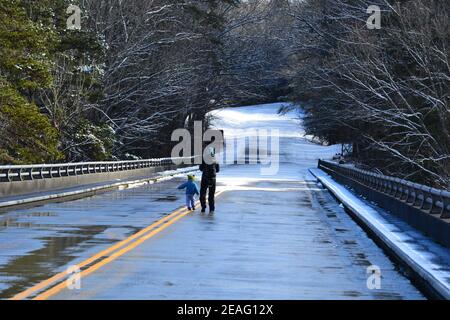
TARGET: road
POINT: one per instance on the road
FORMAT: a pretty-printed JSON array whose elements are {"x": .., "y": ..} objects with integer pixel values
[{"x": 272, "y": 237}]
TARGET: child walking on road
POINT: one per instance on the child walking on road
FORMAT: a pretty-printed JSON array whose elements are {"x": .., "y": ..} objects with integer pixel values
[{"x": 191, "y": 191}]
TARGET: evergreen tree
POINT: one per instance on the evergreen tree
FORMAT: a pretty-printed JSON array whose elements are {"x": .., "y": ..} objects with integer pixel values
[{"x": 27, "y": 135}]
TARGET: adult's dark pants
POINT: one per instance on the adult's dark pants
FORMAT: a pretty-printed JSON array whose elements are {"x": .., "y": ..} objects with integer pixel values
[{"x": 208, "y": 185}]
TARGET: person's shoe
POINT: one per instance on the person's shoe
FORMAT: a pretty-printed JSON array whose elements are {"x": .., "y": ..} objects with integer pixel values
[
  {"x": 203, "y": 210},
  {"x": 193, "y": 208},
  {"x": 189, "y": 208},
  {"x": 211, "y": 211}
]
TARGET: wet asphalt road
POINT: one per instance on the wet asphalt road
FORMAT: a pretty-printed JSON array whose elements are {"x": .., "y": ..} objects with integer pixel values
[
  {"x": 269, "y": 239},
  {"x": 276, "y": 237},
  {"x": 38, "y": 242}
]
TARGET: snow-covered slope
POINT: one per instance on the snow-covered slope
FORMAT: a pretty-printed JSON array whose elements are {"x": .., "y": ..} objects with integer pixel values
[{"x": 296, "y": 152}]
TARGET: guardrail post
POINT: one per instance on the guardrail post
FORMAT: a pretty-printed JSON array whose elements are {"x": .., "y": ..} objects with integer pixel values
[
  {"x": 30, "y": 173},
  {"x": 435, "y": 198},
  {"x": 445, "y": 196}
]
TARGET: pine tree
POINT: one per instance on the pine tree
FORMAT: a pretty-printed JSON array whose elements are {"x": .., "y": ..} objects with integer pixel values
[{"x": 26, "y": 134}]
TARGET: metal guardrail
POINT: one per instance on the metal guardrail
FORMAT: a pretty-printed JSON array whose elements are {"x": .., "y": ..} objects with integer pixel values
[
  {"x": 13, "y": 173},
  {"x": 427, "y": 199}
]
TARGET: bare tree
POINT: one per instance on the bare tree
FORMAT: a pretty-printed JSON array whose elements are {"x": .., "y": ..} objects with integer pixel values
[{"x": 386, "y": 90}]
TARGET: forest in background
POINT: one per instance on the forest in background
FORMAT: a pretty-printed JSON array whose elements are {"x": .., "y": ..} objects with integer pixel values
[
  {"x": 137, "y": 70},
  {"x": 385, "y": 91}
]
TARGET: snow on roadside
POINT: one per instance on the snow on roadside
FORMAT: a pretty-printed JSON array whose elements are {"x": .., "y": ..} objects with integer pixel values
[
  {"x": 237, "y": 121},
  {"x": 428, "y": 259},
  {"x": 296, "y": 152}
]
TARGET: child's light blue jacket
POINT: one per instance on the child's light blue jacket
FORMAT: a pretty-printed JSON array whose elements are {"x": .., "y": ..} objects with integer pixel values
[{"x": 191, "y": 187}]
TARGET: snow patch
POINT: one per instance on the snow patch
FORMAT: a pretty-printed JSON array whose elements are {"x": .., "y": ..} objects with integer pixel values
[{"x": 431, "y": 265}]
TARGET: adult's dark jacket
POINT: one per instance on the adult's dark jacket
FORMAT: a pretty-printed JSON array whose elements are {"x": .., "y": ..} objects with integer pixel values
[{"x": 209, "y": 171}]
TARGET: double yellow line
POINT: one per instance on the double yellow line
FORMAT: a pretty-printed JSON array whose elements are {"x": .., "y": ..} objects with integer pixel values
[{"x": 104, "y": 257}]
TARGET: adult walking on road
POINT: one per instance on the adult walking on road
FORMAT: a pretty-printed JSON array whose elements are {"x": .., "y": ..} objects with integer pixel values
[{"x": 208, "y": 184}]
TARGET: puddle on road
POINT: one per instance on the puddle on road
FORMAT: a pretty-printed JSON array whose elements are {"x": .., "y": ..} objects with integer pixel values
[
  {"x": 12, "y": 223},
  {"x": 27, "y": 270},
  {"x": 41, "y": 214},
  {"x": 387, "y": 296},
  {"x": 352, "y": 294},
  {"x": 166, "y": 198},
  {"x": 361, "y": 259},
  {"x": 71, "y": 231}
]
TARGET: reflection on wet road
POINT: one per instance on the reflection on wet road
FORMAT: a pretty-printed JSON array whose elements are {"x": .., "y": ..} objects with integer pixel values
[
  {"x": 291, "y": 245},
  {"x": 273, "y": 237},
  {"x": 35, "y": 243}
]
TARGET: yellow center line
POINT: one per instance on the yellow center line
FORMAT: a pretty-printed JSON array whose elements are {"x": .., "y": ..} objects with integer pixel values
[
  {"x": 95, "y": 257},
  {"x": 173, "y": 217}
]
